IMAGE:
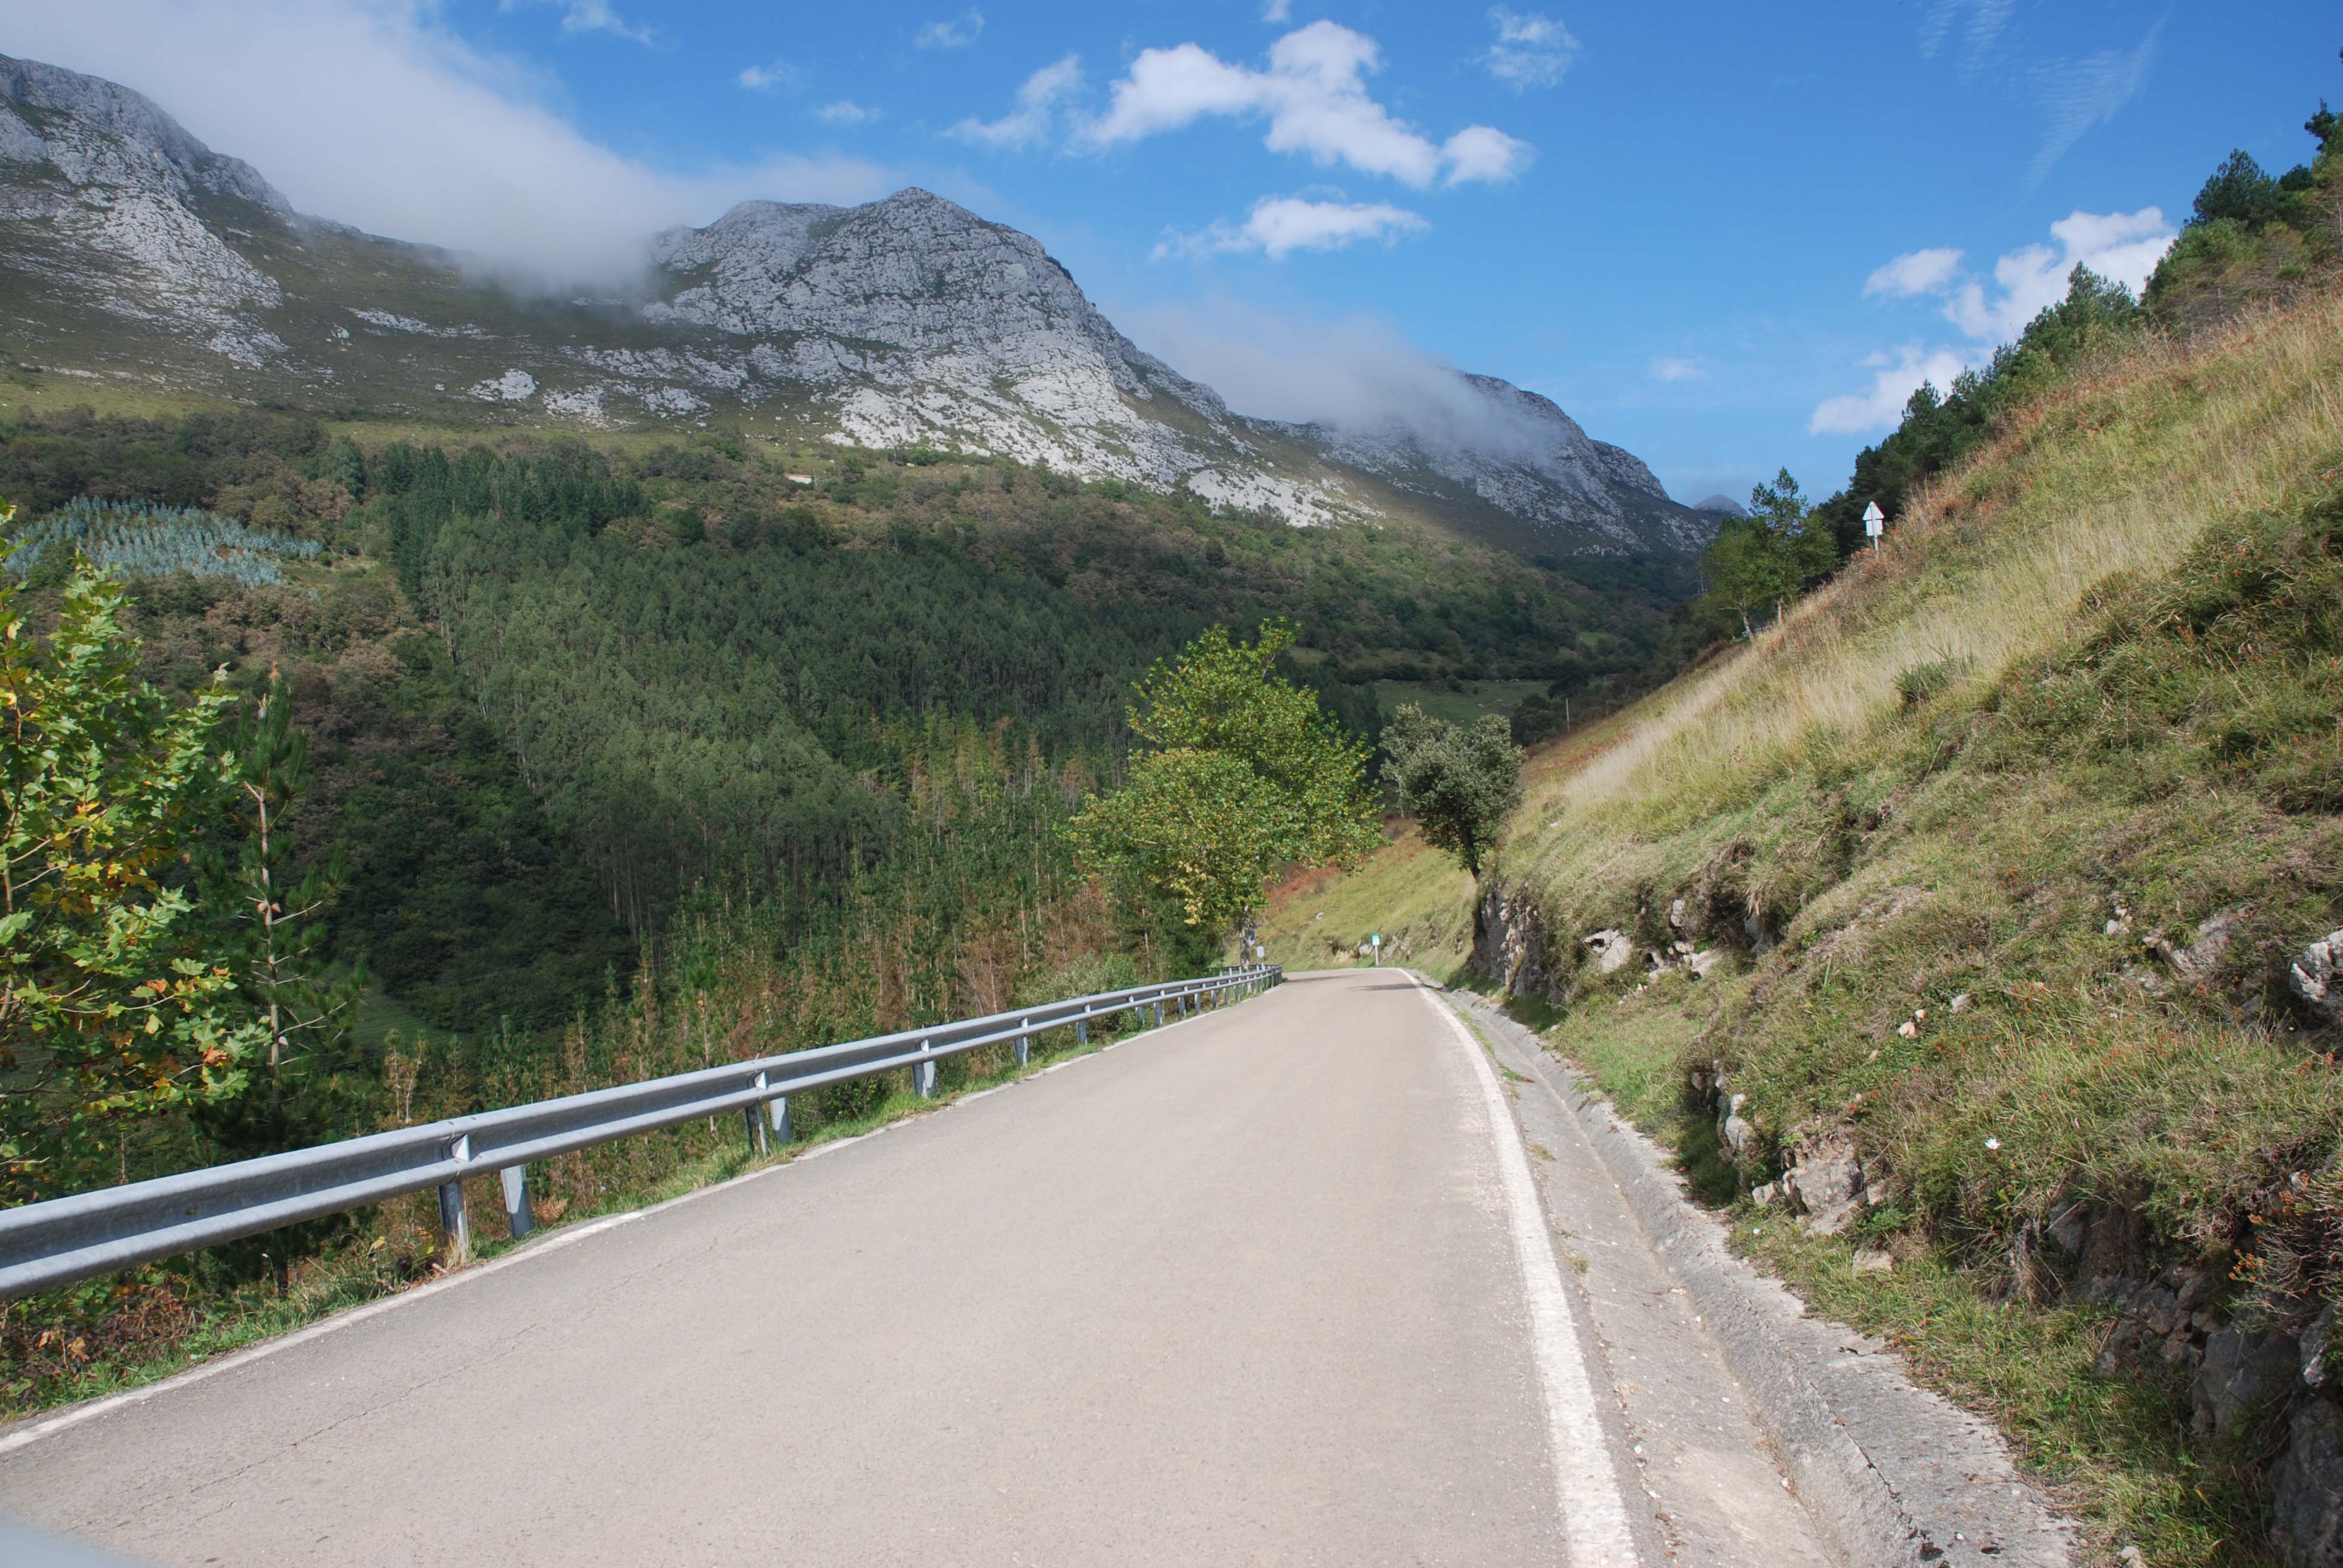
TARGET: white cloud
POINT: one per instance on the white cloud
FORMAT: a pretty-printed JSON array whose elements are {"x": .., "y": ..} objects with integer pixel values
[
  {"x": 1484, "y": 154},
  {"x": 1279, "y": 225},
  {"x": 590, "y": 17},
  {"x": 1315, "y": 97},
  {"x": 1037, "y": 106},
  {"x": 1914, "y": 273},
  {"x": 413, "y": 134},
  {"x": 957, "y": 34},
  {"x": 2122, "y": 245},
  {"x": 776, "y": 77},
  {"x": 2080, "y": 94},
  {"x": 1532, "y": 50},
  {"x": 1987, "y": 18},
  {"x": 1353, "y": 373},
  {"x": 1278, "y": 11},
  {"x": 1892, "y": 382},
  {"x": 846, "y": 111},
  {"x": 1668, "y": 369}
]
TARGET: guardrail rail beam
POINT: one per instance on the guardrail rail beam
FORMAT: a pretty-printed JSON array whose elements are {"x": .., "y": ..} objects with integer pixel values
[{"x": 86, "y": 1234}]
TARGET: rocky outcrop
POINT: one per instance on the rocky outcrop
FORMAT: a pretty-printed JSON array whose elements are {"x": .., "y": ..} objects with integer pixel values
[
  {"x": 109, "y": 189},
  {"x": 2197, "y": 962},
  {"x": 2316, "y": 977},
  {"x": 96, "y": 132},
  {"x": 1509, "y": 944},
  {"x": 1610, "y": 950},
  {"x": 1825, "y": 1178},
  {"x": 2307, "y": 1489},
  {"x": 905, "y": 322},
  {"x": 939, "y": 328},
  {"x": 2242, "y": 1373},
  {"x": 1522, "y": 455}
]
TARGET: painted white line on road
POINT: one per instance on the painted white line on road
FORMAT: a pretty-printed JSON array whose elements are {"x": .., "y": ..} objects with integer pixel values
[{"x": 1587, "y": 1487}]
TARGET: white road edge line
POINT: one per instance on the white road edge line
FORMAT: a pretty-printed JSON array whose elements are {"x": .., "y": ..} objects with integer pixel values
[
  {"x": 79, "y": 1413},
  {"x": 1587, "y": 1487}
]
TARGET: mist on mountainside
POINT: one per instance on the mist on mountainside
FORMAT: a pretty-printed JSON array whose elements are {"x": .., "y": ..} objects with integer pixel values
[{"x": 1356, "y": 373}]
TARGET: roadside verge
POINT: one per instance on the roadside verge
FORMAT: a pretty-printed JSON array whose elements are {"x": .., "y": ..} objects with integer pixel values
[{"x": 1894, "y": 1475}]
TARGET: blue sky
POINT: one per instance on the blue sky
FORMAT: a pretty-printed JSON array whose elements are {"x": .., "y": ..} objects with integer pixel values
[{"x": 1721, "y": 236}]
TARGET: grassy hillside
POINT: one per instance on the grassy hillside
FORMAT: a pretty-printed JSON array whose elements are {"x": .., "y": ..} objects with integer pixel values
[{"x": 2066, "y": 752}]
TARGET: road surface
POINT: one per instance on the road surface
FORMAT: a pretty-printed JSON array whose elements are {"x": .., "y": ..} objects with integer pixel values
[{"x": 1285, "y": 1283}]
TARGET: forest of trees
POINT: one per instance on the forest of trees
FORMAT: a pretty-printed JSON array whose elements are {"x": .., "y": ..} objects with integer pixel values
[
  {"x": 591, "y": 762},
  {"x": 568, "y": 715}
]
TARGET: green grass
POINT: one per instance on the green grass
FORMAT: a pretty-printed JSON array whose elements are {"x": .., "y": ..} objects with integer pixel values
[
  {"x": 2094, "y": 680},
  {"x": 1417, "y": 897},
  {"x": 2107, "y": 1447}
]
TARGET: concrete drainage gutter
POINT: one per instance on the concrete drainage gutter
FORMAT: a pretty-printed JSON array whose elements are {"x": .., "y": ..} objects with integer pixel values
[{"x": 1894, "y": 1475}]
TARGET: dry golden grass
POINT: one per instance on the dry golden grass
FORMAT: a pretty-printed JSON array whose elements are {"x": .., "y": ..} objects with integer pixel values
[{"x": 1988, "y": 567}]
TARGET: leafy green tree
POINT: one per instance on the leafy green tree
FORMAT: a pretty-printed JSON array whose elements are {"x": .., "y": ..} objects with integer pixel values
[
  {"x": 110, "y": 1008},
  {"x": 1459, "y": 782},
  {"x": 1244, "y": 774},
  {"x": 1769, "y": 557}
]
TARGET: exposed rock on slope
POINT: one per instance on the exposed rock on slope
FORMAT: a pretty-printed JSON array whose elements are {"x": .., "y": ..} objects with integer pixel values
[
  {"x": 1523, "y": 456},
  {"x": 127, "y": 246},
  {"x": 933, "y": 326},
  {"x": 115, "y": 184}
]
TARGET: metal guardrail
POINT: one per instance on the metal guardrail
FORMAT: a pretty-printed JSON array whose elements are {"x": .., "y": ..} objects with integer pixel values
[{"x": 62, "y": 1239}]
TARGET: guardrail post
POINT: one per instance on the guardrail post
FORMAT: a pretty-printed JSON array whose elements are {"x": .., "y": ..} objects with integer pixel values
[
  {"x": 777, "y": 1111},
  {"x": 755, "y": 1123},
  {"x": 923, "y": 1075},
  {"x": 519, "y": 1220},
  {"x": 1159, "y": 1012},
  {"x": 1025, "y": 1040},
  {"x": 1082, "y": 1029},
  {"x": 454, "y": 1223}
]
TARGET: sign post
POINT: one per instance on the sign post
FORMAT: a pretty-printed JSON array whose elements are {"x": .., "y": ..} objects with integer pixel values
[
  {"x": 1875, "y": 523},
  {"x": 1378, "y": 940}
]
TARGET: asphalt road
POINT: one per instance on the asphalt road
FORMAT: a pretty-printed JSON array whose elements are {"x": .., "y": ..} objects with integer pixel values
[{"x": 1284, "y": 1283}]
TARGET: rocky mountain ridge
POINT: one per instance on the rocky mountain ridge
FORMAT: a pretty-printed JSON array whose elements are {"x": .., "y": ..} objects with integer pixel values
[{"x": 129, "y": 249}]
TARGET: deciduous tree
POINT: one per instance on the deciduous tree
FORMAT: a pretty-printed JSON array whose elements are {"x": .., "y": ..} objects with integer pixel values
[
  {"x": 1244, "y": 774},
  {"x": 1459, "y": 782},
  {"x": 109, "y": 1007}
]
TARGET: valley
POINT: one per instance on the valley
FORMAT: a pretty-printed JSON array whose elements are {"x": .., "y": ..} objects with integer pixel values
[{"x": 477, "y": 689}]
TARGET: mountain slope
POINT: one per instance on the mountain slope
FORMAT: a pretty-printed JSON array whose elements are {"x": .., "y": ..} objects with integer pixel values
[
  {"x": 2010, "y": 858},
  {"x": 129, "y": 250}
]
